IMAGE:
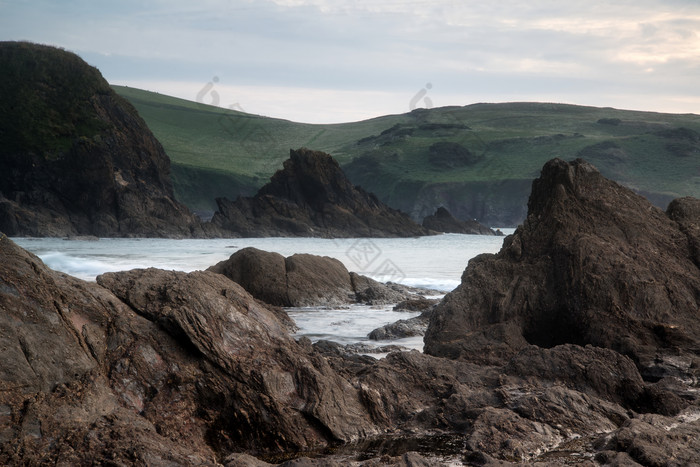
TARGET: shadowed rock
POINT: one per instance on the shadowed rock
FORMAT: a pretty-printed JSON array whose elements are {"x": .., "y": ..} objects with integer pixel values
[
  {"x": 306, "y": 280},
  {"x": 76, "y": 158},
  {"x": 593, "y": 263}
]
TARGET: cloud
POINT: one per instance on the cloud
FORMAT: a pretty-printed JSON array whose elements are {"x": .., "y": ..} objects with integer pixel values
[{"x": 486, "y": 51}]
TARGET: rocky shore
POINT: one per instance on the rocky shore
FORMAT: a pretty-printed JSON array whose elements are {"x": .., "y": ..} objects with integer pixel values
[{"x": 576, "y": 344}]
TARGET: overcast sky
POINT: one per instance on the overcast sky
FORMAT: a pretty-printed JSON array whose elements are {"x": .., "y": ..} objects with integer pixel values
[{"x": 337, "y": 60}]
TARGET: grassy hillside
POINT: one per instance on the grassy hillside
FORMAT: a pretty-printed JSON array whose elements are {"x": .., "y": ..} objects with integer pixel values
[{"x": 477, "y": 160}]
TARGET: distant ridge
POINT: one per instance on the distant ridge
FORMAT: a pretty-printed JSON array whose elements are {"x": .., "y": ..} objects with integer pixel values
[{"x": 478, "y": 161}]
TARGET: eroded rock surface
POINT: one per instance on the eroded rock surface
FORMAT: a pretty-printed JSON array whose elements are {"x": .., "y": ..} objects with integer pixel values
[{"x": 76, "y": 158}]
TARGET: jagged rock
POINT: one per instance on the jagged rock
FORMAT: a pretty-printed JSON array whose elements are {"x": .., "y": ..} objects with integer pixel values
[
  {"x": 443, "y": 221},
  {"x": 75, "y": 158},
  {"x": 186, "y": 368},
  {"x": 593, "y": 263},
  {"x": 305, "y": 280},
  {"x": 312, "y": 197},
  {"x": 275, "y": 393},
  {"x": 157, "y": 367}
]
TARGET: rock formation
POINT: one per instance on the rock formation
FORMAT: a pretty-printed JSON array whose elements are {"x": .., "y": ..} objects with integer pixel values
[
  {"x": 312, "y": 197},
  {"x": 75, "y": 158},
  {"x": 306, "y": 280},
  {"x": 154, "y": 367},
  {"x": 443, "y": 221},
  {"x": 576, "y": 344},
  {"x": 594, "y": 264}
]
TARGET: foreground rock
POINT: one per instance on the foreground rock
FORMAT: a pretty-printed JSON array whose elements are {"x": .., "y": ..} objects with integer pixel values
[
  {"x": 312, "y": 197},
  {"x": 155, "y": 367},
  {"x": 443, "y": 221},
  {"x": 307, "y": 280},
  {"x": 75, "y": 158},
  {"x": 593, "y": 263}
]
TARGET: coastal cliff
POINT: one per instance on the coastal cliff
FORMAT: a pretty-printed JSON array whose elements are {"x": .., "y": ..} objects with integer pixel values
[{"x": 75, "y": 158}]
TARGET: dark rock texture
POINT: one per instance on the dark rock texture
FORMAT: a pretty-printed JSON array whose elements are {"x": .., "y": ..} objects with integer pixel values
[
  {"x": 306, "y": 280},
  {"x": 443, "y": 221},
  {"x": 402, "y": 328},
  {"x": 75, "y": 158},
  {"x": 312, "y": 197},
  {"x": 593, "y": 263},
  {"x": 153, "y": 367}
]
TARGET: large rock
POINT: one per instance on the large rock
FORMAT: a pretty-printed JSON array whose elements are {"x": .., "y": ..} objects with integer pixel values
[
  {"x": 305, "y": 280},
  {"x": 312, "y": 197},
  {"x": 593, "y": 263},
  {"x": 186, "y": 369},
  {"x": 443, "y": 221},
  {"x": 75, "y": 158}
]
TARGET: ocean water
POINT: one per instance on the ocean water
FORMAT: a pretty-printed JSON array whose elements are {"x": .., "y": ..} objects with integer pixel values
[{"x": 435, "y": 262}]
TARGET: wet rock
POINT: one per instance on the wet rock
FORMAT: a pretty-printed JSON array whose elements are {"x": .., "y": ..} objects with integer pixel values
[
  {"x": 312, "y": 197},
  {"x": 164, "y": 367},
  {"x": 417, "y": 304},
  {"x": 402, "y": 328}
]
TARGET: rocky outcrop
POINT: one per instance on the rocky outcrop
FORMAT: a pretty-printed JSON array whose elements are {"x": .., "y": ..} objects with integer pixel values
[
  {"x": 306, "y": 280},
  {"x": 312, "y": 197},
  {"x": 75, "y": 158},
  {"x": 155, "y": 367},
  {"x": 593, "y": 263},
  {"x": 443, "y": 221}
]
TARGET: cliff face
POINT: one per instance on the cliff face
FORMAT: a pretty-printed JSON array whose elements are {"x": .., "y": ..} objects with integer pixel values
[
  {"x": 75, "y": 158},
  {"x": 312, "y": 197}
]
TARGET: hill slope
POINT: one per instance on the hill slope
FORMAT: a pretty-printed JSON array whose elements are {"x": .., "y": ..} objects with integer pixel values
[{"x": 478, "y": 161}]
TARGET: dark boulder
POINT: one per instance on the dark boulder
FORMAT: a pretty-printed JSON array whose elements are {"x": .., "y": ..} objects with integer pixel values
[
  {"x": 402, "y": 328},
  {"x": 312, "y": 197},
  {"x": 75, "y": 158},
  {"x": 305, "y": 280},
  {"x": 443, "y": 221}
]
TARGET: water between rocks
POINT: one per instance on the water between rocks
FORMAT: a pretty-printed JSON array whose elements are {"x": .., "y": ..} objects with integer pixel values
[{"x": 435, "y": 262}]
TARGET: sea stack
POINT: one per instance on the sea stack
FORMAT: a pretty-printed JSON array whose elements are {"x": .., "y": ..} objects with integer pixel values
[{"x": 312, "y": 197}]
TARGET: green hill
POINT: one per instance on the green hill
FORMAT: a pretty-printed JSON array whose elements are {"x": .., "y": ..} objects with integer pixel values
[{"x": 477, "y": 160}]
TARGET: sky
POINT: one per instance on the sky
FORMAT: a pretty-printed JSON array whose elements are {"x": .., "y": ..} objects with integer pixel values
[{"x": 333, "y": 61}]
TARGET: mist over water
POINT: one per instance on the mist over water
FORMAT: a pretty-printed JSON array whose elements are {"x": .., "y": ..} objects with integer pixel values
[{"x": 435, "y": 262}]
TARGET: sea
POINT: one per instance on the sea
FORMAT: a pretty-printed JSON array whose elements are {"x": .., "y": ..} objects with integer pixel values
[{"x": 433, "y": 262}]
